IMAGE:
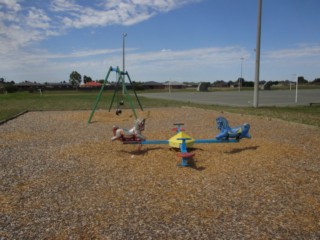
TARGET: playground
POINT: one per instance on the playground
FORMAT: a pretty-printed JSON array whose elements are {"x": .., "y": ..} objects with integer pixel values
[{"x": 64, "y": 178}]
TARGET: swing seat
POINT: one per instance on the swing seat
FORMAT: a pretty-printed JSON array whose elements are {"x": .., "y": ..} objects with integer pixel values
[
  {"x": 185, "y": 155},
  {"x": 176, "y": 129},
  {"x": 127, "y": 140},
  {"x": 118, "y": 111},
  {"x": 130, "y": 140}
]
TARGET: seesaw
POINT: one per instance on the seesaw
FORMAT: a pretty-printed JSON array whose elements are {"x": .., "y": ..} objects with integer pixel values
[{"x": 181, "y": 139}]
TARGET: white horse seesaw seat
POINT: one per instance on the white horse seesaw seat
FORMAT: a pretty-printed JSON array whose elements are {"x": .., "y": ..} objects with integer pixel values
[{"x": 130, "y": 135}]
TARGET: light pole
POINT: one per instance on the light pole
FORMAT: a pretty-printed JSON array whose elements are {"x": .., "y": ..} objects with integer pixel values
[
  {"x": 257, "y": 69},
  {"x": 240, "y": 79},
  {"x": 123, "y": 61},
  {"x": 297, "y": 80}
]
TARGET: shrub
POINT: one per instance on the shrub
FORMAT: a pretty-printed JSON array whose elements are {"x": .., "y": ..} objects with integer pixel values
[{"x": 11, "y": 88}]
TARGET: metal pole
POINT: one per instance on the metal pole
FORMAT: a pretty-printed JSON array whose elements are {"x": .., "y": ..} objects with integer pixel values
[
  {"x": 123, "y": 60},
  {"x": 134, "y": 91},
  {"x": 242, "y": 58},
  {"x": 297, "y": 78},
  {"x": 257, "y": 70},
  {"x": 99, "y": 95}
]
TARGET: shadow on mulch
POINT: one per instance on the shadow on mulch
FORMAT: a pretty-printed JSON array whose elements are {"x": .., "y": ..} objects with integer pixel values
[
  {"x": 238, "y": 150},
  {"x": 142, "y": 151},
  {"x": 193, "y": 165},
  {"x": 191, "y": 161}
]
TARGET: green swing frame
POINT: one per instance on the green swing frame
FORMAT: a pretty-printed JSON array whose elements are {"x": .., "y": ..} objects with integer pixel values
[{"x": 120, "y": 80}]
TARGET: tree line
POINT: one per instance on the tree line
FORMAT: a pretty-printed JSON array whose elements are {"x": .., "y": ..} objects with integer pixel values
[{"x": 75, "y": 79}]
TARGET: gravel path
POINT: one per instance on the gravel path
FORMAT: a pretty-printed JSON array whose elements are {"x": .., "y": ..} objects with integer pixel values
[{"x": 63, "y": 179}]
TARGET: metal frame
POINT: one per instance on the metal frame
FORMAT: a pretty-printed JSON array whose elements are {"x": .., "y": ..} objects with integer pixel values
[{"x": 120, "y": 80}]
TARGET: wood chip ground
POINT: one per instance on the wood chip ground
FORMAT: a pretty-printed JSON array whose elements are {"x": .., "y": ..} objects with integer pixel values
[{"x": 61, "y": 178}]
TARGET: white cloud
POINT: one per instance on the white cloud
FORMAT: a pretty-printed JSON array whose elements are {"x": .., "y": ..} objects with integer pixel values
[
  {"x": 10, "y": 4},
  {"x": 95, "y": 62},
  {"x": 83, "y": 53},
  {"x": 299, "y": 52},
  {"x": 191, "y": 57},
  {"x": 36, "y": 58},
  {"x": 65, "y": 6},
  {"x": 200, "y": 64},
  {"x": 109, "y": 12},
  {"x": 21, "y": 26},
  {"x": 37, "y": 18}
]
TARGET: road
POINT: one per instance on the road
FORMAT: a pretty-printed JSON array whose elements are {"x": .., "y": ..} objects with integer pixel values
[{"x": 242, "y": 98}]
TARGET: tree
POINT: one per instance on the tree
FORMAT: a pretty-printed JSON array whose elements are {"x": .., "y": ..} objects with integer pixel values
[
  {"x": 100, "y": 81},
  {"x": 316, "y": 81},
  {"x": 87, "y": 79},
  {"x": 301, "y": 80},
  {"x": 220, "y": 83},
  {"x": 10, "y": 88},
  {"x": 248, "y": 84},
  {"x": 75, "y": 78}
]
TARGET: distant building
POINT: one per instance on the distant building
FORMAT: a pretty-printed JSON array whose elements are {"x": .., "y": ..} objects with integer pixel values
[
  {"x": 176, "y": 85},
  {"x": 266, "y": 85},
  {"x": 91, "y": 85},
  {"x": 203, "y": 86},
  {"x": 220, "y": 83},
  {"x": 28, "y": 86},
  {"x": 153, "y": 85},
  {"x": 58, "y": 86}
]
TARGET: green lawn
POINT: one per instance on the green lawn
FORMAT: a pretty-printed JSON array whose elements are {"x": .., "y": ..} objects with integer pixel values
[{"x": 14, "y": 103}]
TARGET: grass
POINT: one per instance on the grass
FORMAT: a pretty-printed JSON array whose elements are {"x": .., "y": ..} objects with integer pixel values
[
  {"x": 299, "y": 114},
  {"x": 14, "y": 103}
]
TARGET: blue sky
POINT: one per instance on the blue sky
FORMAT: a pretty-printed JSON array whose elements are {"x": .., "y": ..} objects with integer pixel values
[{"x": 167, "y": 40}]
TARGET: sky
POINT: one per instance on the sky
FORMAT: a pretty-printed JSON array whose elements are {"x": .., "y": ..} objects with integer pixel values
[{"x": 166, "y": 40}]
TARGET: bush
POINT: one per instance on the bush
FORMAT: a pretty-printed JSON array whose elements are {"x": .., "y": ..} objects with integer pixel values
[{"x": 11, "y": 88}]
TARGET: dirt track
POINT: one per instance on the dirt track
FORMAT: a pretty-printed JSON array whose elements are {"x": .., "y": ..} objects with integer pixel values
[{"x": 61, "y": 178}]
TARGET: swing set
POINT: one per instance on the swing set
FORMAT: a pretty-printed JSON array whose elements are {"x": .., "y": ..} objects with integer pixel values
[{"x": 120, "y": 76}]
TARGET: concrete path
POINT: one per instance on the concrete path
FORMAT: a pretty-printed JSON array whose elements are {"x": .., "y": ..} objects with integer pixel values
[{"x": 242, "y": 98}]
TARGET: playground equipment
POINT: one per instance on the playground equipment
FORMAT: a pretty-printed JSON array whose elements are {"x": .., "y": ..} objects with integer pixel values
[
  {"x": 120, "y": 82},
  {"x": 182, "y": 140},
  {"x": 227, "y": 132},
  {"x": 134, "y": 134}
]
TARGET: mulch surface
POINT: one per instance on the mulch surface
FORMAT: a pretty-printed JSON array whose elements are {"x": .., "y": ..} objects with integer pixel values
[{"x": 62, "y": 178}]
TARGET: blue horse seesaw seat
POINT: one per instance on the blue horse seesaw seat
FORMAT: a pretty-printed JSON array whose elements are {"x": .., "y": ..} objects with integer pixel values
[
  {"x": 226, "y": 132},
  {"x": 182, "y": 140}
]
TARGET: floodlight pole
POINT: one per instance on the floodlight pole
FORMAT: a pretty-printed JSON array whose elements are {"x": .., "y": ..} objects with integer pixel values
[
  {"x": 123, "y": 61},
  {"x": 296, "y": 99},
  {"x": 257, "y": 69},
  {"x": 242, "y": 58}
]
